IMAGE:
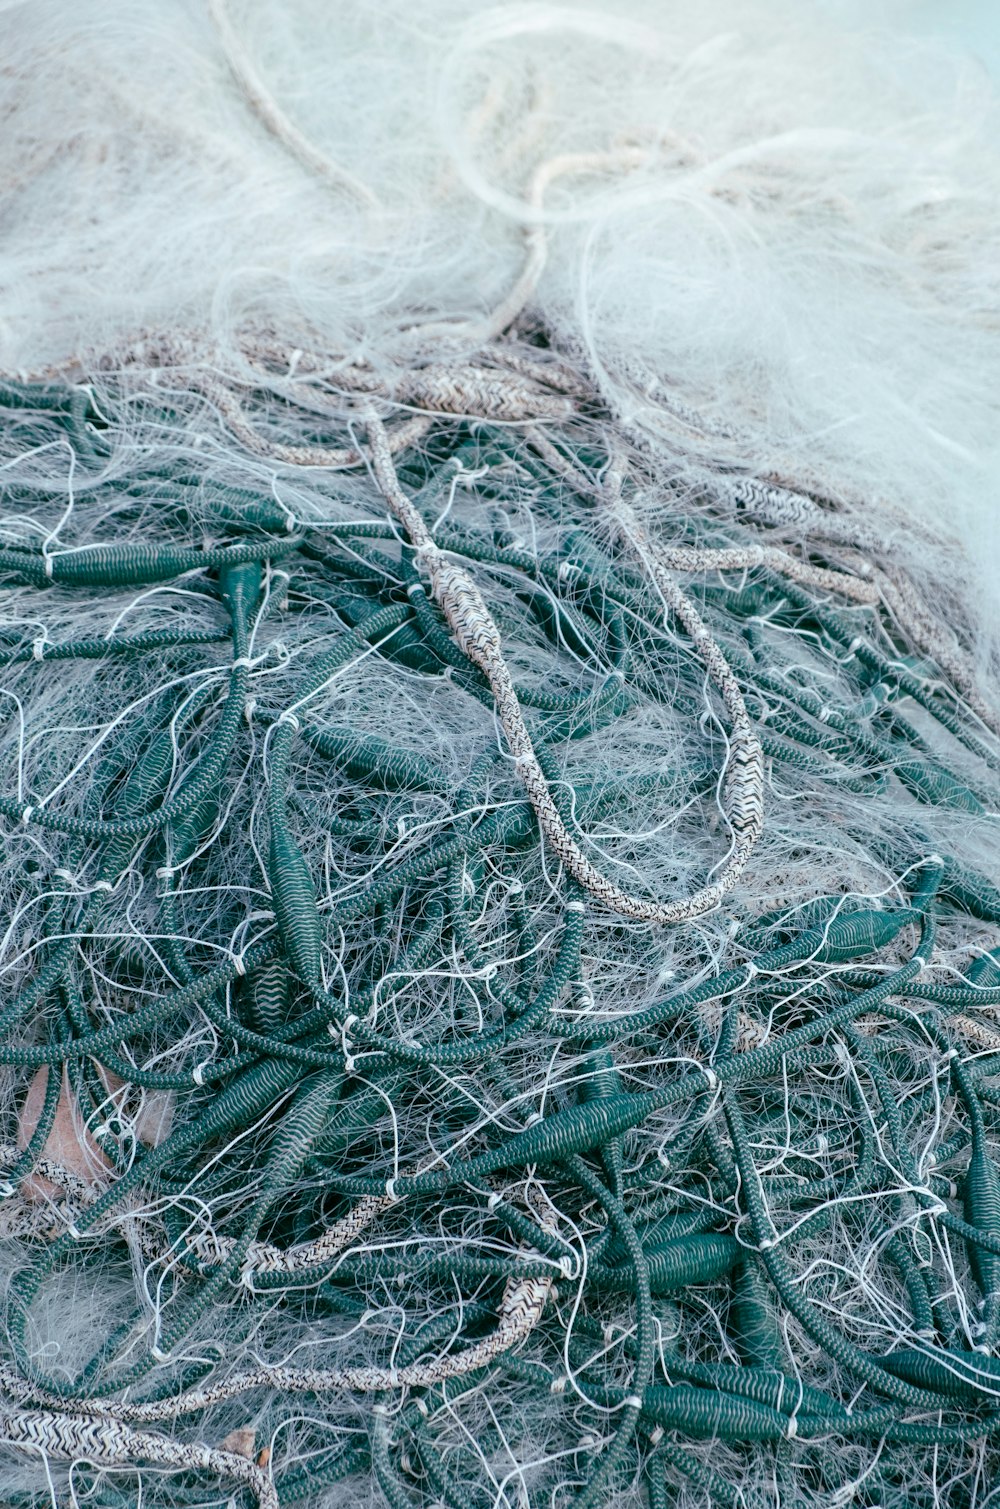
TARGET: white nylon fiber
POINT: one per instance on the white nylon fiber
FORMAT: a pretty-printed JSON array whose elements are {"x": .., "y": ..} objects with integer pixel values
[{"x": 789, "y": 225}]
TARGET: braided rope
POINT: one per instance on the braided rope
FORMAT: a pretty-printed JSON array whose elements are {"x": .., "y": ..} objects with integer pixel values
[
  {"x": 274, "y": 118},
  {"x": 743, "y": 791},
  {"x": 509, "y": 396},
  {"x": 478, "y": 637},
  {"x": 682, "y": 558},
  {"x": 109, "y": 1443},
  {"x": 263, "y": 1257},
  {"x": 80, "y": 1190},
  {"x": 521, "y": 1309},
  {"x": 765, "y": 504},
  {"x": 930, "y": 638},
  {"x": 340, "y": 457}
]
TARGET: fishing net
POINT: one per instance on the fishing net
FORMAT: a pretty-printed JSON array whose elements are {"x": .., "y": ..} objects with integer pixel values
[{"x": 500, "y": 909}]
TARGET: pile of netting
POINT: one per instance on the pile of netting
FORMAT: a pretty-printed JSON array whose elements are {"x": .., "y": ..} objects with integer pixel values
[{"x": 499, "y": 961}]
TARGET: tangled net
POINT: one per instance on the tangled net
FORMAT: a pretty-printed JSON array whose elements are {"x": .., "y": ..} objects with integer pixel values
[{"x": 500, "y": 960}]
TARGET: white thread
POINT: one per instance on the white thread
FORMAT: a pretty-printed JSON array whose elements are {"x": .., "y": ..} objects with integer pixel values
[
  {"x": 390, "y": 1191},
  {"x": 575, "y": 906},
  {"x": 710, "y": 1075},
  {"x": 103, "y": 885},
  {"x": 157, "y": 1355},
  {"x": 238, "y": 964},
  {"x": 558, "y": 1386},
  {"x": 633, "y": 1401},
  {"x": 414, "y": 588},
  {"x": 26, "y": 814},
  {"x": 767, "y": 1244},
  {"x": 349, "y": 1063},
  {"x": 72, "y": 1230},
  {"x": 288, "y": 717},
  {"x": 421, "y": 1405},
  {"x": 249, "y": 708},
  {"x": 38, "y": 649},
  {"x": 6, "y": 1190},
  {"x": 494, "y": 1200},
  {"x": 656, "y": 1435},
  {"x": 66, "y": 875},
  {"x": 48, "y": 566},
  {"x": 792, "y": 1429},
  {"x": 241, "y": 660},
  {"x": 567, "y": 1267},
  {"x": 198, "y": 1073}
]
